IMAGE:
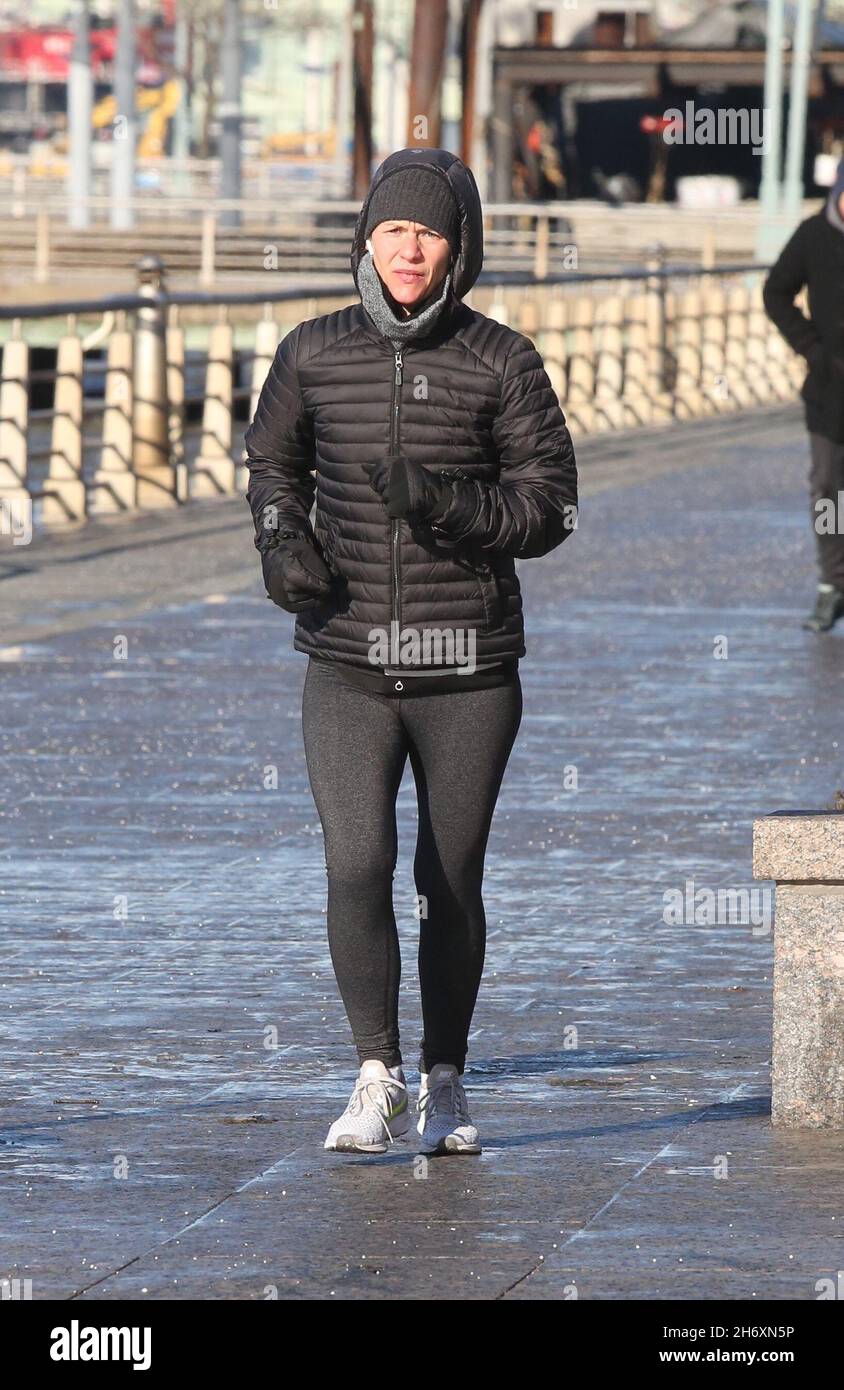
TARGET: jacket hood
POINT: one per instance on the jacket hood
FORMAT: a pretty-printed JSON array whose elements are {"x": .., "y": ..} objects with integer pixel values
[
  {"x": 833, "y": 215},
  {"x": 470, "y": 257}
]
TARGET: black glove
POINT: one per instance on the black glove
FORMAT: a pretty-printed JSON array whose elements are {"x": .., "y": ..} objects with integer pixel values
[
  {"x": 295, "y": 576},
  {"x": 407, "y": 489}
]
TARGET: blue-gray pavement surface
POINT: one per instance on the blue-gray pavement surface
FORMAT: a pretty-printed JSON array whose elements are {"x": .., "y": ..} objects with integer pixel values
[{"x": 174, "y": 1046}]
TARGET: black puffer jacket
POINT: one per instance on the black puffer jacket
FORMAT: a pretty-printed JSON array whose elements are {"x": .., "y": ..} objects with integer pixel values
[
  {"x": 814, "y": 256},
  {"x": 471, "y": 399}
]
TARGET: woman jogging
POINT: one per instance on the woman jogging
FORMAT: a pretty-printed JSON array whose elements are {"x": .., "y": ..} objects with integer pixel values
[{"x": 436, "y": 451}]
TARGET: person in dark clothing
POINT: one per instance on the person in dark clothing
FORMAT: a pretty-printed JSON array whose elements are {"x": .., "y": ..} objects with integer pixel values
[
  {"x": 814, "y": 256},
  {"x": 431, "y": 444}
]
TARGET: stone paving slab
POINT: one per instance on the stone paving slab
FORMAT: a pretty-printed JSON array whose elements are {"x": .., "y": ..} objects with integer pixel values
[{"x": 170, "y": 1072}]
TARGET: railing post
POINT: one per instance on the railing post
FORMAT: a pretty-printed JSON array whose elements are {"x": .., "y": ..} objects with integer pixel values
[
  {"x": 154, "y": 468},
  {"x": 541, "y": 246},
  {"x": 42, "y": 246},
  {"x": 803, "y": 851},
  {"x": 207, "y": 267},
  {"x": 18, "y": 191}
]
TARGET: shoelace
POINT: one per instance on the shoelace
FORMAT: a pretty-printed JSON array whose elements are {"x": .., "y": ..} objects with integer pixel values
[
  {"x": 361, "y": 1091},
  {"x": 457, "y": 1103}
]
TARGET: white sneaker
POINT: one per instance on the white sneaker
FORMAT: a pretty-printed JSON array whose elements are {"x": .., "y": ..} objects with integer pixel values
[
  {"x": 377, "y": 1112},
  {"x": 444, "y": 1122}
]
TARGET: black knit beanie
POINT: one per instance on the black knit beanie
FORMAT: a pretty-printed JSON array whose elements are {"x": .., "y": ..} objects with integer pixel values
[{"x": 418, "y": 194}]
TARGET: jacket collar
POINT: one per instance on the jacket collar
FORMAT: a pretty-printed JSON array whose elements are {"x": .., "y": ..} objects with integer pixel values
[{"x": 453, "y": 314}]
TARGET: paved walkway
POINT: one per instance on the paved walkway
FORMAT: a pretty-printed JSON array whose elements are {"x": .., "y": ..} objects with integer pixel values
[{"x": 174, "y": 1046}]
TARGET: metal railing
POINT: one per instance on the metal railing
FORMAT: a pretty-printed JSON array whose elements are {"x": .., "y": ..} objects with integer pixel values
[
  {"x": 309, "y": 237},
  {"x": 169, "y": 378}
]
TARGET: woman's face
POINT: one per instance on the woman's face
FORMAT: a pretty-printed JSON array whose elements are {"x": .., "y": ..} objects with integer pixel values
[{"x": 411, "y": 259}]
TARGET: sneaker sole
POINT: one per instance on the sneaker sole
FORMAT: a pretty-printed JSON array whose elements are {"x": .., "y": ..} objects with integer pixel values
[
  {"x": 448, "y": 1145},
  {"x": 349, "y": 1144}
]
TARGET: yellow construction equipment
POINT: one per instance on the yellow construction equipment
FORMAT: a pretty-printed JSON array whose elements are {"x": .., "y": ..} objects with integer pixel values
[
  {"x": 161, "y": 103},
  {"x": 319, "y": 143}
]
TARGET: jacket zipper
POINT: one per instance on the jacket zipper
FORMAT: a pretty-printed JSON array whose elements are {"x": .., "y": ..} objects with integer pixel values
[{"x": 395, "y": 614}]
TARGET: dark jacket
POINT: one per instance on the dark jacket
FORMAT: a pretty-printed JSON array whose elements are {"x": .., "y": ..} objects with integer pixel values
[
  {"x": 473, "y": 400},
  {"x": 814, "y": 256}
]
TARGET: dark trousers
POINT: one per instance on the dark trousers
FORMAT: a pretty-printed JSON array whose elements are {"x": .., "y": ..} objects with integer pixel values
[
  {"x": 356, "y": 746},
  {"x": 826, "y": 481}
]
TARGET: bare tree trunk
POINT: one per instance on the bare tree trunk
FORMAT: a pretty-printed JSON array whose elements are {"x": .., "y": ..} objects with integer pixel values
[
  {"x": 468, "y": 74},
  {"x": 362, "y": 41},
  {"x": 430, "y": 30}
]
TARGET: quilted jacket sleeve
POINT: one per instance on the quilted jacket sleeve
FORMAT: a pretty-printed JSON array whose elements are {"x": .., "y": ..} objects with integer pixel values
[
  {"x": 280, "y": 452},
  {"x": 533, "y": 506},
  {"x": 785, "y": 280}
]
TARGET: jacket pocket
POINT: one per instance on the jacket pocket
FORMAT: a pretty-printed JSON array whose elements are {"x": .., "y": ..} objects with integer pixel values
[{"x": 490, "y": 591}]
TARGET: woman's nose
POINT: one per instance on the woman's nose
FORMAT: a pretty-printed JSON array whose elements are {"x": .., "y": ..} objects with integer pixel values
[{"x": 411, "y": 247}]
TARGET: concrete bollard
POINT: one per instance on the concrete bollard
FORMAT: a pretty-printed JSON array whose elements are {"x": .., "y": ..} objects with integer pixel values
[
  {"x": 661, "y": 401},
  {"x": 114, "y": 482},
  {"x": 735, "y": 348},
  {"x": 803, "y": 851},
  {"x": 214, "y": 470},
  {"x": 527, "y": 317},
  {"x": 581, "y": 387},
  {"x": 552, "y": 345},
  {"x": 14, "y": 427},
  {"x": 64, "y": 487},
  {"x": 156, "y": 476},
  {"x": 267, "y": 339},
  {"x": 609, "y": 407},
  {"x": 688, "y": 400},
  {"x": 175, "y": 341},
  {"x": 756, "y": 360},
  {"x": 637, "y": 402},
  {"x": 714, "y": 380}
]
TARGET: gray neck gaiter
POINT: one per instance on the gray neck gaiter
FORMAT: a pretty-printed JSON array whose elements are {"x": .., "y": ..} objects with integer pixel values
[{"x": 397, "y": 330}]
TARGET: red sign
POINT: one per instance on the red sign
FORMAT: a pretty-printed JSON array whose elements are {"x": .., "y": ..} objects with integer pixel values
[{"x": 43, "y": 55}]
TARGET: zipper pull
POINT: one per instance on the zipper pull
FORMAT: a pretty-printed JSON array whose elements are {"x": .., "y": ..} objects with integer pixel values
[{"x": 398, "y": 365}]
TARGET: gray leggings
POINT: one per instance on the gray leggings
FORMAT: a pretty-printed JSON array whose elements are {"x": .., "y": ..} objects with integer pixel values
[
  {"x": 826, "y": 480},
  {"x": 356, "y": 747}
]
